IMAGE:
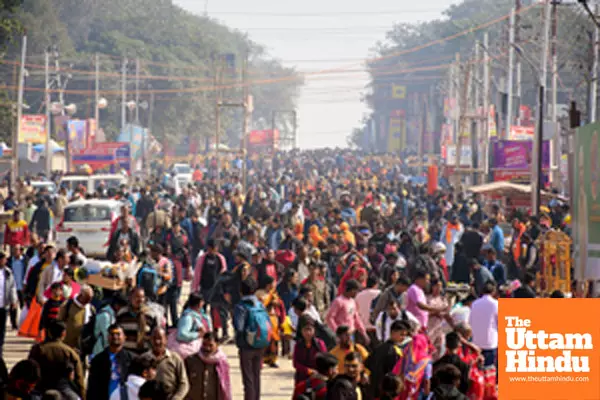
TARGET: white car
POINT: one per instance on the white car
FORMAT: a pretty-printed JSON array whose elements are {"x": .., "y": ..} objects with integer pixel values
[
  {"x": 182, "y": 169},
  {"x": 92, "y": 182},
  {"x": 90, "y": 221}
]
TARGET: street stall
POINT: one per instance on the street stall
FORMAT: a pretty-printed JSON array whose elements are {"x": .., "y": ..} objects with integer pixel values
[{"x": 510, "y": 194}]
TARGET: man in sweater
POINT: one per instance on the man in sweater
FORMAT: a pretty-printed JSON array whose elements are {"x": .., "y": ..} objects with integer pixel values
[
  {"x": 75, "y": 314},
  {"x": 344, "y": 311},
  {"x": 16, "y": 231},
  {"x": 137, "y": 322},
  {"x": 170, "y": 370}
]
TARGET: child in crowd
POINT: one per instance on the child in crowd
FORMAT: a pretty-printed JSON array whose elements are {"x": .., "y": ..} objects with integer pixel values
[{"x": 52, "y": 306}]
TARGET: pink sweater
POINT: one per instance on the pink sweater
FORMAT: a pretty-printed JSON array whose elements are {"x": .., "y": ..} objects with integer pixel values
[{"x": 344, "y": 311}]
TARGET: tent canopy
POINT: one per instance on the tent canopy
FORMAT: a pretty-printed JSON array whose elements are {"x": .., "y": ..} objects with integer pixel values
[{"x": 54, "y": 147}]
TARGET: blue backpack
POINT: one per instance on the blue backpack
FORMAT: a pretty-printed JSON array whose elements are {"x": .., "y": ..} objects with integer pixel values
[
  {"x": 148, "y": 279},
  {"x": 258, "y": 326}
]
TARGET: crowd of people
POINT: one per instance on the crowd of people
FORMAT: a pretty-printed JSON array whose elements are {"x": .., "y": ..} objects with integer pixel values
[{"x": 374, "y": 287}]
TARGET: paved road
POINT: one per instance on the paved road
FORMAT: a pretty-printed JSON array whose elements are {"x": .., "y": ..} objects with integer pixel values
[{"x": 277, "y": 384}]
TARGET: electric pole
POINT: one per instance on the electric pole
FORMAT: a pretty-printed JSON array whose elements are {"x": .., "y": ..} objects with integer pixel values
[
  {"x": 47, "y": 150},
  {"x": 15, "y": 141},
  {"x": 123, "y": 94},
  {"x": 511, "y": 66},
  {"x": 218, "y": 119},
  {"x": 594, "y": 83},
  {"x": 137, "y": 92},
  {"x": 519, "y": 71},
  {"x": 537, "y": 172},
  {"x": 555, "y": 143},
  {"x": 246, "y": 117},
  {"x": 486, "y": 106},
  {"x": 97, "y": 94}
]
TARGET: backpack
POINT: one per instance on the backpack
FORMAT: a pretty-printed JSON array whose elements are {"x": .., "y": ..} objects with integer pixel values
[
  {"x": 258, "y": 326},
  {"x": 148, "y": 279}
]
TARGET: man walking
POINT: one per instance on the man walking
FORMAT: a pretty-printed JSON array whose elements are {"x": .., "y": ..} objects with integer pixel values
[
  {"x": 108, "y": 371},
  {"x": 250, "y": 355},
  {"x": 8, "y": 296}
]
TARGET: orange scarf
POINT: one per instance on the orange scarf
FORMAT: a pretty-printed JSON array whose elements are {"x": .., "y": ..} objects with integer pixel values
[{"x": 449, "y": 228}]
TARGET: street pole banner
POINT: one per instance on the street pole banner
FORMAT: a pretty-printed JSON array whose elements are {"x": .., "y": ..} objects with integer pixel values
[{"x": 32, "y": 129}]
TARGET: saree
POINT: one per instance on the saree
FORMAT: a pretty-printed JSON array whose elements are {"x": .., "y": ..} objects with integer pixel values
[{"x": 413, "y": 367}]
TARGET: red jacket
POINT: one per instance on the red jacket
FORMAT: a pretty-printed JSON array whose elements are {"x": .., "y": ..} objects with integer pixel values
[{"x": 16, "y": 232}]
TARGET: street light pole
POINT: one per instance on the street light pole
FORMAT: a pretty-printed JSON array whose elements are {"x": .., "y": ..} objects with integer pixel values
[
  {"x": 48, "y": 152},
  {"x": 15, "y": 138}
]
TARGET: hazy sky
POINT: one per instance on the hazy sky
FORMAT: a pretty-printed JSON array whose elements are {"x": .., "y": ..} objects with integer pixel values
[{"x": 314, "y": 35}]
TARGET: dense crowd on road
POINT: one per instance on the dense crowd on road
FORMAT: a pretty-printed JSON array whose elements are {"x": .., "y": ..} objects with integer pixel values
[{"x": 375, "y": 286}]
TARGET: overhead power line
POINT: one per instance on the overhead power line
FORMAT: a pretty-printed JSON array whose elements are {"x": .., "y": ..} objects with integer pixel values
[{"x": 324, "y": 13}]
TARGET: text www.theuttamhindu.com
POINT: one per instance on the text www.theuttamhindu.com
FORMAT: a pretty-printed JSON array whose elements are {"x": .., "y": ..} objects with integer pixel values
[{"x": 547, "y": 379}]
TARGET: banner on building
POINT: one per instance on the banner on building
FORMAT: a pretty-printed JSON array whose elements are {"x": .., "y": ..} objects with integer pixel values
[
  {"x": 397, "y": 131},
  {"x": 77, "y": 130},
  {"x": 466, "y": 157},
  {"x": 264, "y": 141},
  {"x": 112, "y": 156},
  {"x": 32, "y": 129},
  {"x": 512, "y": 160}
]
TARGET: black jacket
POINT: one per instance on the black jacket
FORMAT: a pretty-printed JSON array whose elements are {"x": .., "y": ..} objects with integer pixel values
[
  {"x": 99, "y": 376},
  {"x": 381, "y": 362},
  {"x": 447, "y": 392},
  {"x": 341, "y": 388},
  {"x": 40, "y": 220},
  {"x": 462, "y": 366},
  {"x": 134, "y": 244},
  {"x": 524, "y": 292}
]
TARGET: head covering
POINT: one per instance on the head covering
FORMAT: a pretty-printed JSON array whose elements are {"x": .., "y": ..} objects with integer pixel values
[{"x": 315, "y": 236}]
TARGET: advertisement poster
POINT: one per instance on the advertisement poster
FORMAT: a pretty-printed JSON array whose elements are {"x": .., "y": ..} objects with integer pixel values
[
  {"x": 586, "y": 207},
  {"x": 263, "y": 142},
  {"x": 512, "y": 160},
  {"x": 517, "y": 155},
  {"x": 113, "y": 156},
  {"x": 521, "y": 132},
  {"x": 77, "y": 134},
  {"x": 466, "y": 158},
  {"x": 32, "y": 129}
]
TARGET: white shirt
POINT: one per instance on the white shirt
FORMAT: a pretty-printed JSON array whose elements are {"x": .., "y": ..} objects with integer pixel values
[
  {"x": 134, "y": 383},
  {"x": 383, "y": 332},
  {"x": 2, "y": 288},
  {"x": 484, "y": 322}
]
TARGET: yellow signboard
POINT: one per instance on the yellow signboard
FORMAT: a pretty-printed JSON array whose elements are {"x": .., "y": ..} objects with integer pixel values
[
  {"x": 397, "y": 134},
  {"x": 398, "y": 91}
]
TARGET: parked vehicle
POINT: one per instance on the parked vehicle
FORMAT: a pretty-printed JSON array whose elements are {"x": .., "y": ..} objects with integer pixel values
[{"x": 90, "y": 221}]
